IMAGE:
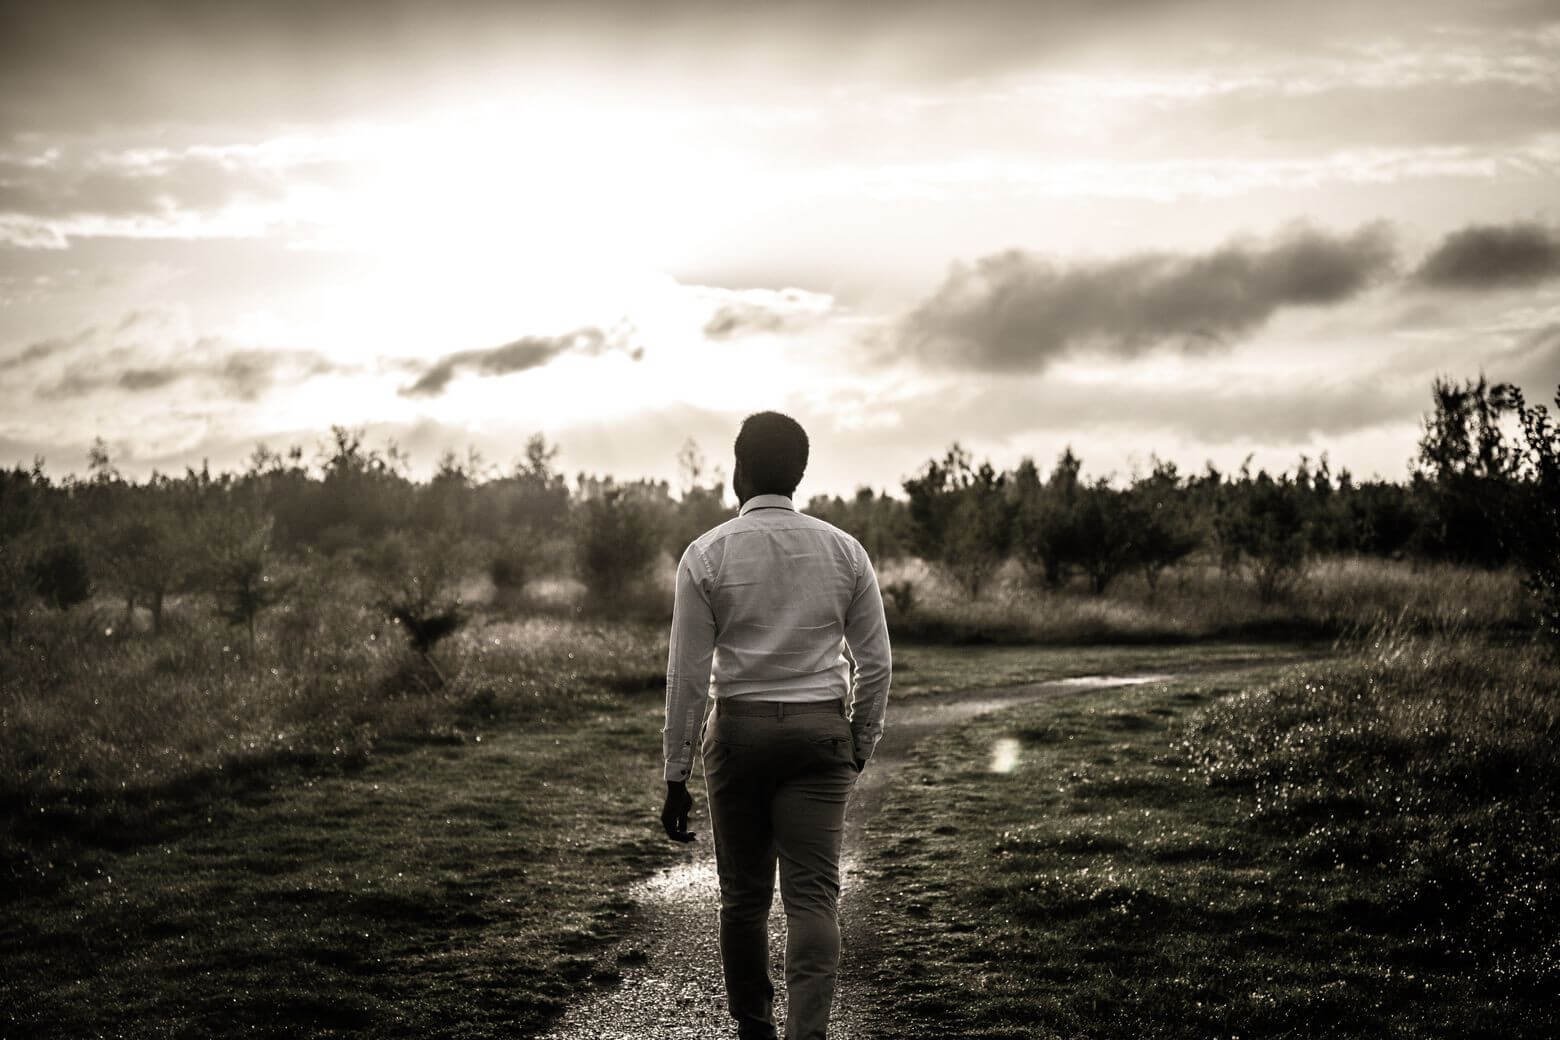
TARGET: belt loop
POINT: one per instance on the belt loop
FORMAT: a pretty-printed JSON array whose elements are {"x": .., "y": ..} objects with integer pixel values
[{"x": 780, "y": 710}]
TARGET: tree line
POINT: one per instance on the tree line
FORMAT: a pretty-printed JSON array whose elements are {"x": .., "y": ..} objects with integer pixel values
[{"x": 1483, "y": 489}]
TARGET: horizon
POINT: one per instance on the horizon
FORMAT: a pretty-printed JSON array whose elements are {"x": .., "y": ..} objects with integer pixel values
[{"x": 1192, "y": 230}]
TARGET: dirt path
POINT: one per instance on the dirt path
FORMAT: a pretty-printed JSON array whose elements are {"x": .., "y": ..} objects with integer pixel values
[{"x": 672, "y": 988}]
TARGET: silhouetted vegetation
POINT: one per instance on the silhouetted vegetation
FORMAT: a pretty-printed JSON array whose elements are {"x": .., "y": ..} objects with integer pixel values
[{"x": 1481, "y": 492}]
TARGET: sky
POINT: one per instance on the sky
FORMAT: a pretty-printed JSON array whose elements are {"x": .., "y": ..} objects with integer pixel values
[{"x": 1202, "y": 232}]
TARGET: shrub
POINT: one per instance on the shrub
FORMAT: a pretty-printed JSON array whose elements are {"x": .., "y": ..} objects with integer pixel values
[
  {"x": 416, "y": 587},
  {"x": 616, "y": 543},
  {"x": 901, "y": 595},
  {"x": 60, "y": 575},
  {"x": 238, "y": 568}
]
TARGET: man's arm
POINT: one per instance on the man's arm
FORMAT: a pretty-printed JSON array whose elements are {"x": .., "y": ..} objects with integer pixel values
[
  {"x": 689, "y": 653},
  {"x": 866, "y": 633}
]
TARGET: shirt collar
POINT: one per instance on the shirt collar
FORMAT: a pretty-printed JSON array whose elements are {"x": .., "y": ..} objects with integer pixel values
[{"x": 766, "y": 502}]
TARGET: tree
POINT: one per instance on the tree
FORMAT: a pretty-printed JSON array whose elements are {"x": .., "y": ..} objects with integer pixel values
[
  {"x": 702, "y": 506},
  {"x": 1264, "y": 525},
  {"x": 1532, "y": 525},
  {"x": 1465, "y": 469},
  {"x": 60, "y": 575},
  {"x": 23, "y": 514},
  {"x": 1165, "y": 532},
  {"x": 417, "y": 588},
  {"x": 1102, "y": 534},
  {"x": 1044, "y": 517},
  {"x": 616, "y": 542},
  {"x": 238, "y": 567},
  {"x": 149, "y": 556},
  {"x": 962, "y": 518}
]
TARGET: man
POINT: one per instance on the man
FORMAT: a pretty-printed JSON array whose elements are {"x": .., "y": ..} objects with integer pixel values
[{"x": 766, "y": 606}]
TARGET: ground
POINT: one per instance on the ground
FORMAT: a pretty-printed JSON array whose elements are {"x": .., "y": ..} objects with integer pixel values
[{"x": 1025, "y": 858}]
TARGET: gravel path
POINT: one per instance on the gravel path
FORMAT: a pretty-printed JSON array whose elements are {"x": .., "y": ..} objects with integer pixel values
[{"x": 672, "y": 987}]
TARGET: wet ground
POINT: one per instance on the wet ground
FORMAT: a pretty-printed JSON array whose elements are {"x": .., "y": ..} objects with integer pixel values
[{"x": 671, "y": 987}]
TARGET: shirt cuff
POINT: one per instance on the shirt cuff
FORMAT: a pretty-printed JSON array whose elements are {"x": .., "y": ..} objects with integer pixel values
[
  {"x": 678, "y": 770},
  {"x": 864, "y": 746}
]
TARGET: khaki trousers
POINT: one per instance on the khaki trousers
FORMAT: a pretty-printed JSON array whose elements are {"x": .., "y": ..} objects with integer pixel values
[{"x": 778, "y": 777}]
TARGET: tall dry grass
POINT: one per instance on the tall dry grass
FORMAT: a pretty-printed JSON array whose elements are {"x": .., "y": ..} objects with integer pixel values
[
  {"x": 89, "y": 708},
  {"x": 1335, "y": 596}
]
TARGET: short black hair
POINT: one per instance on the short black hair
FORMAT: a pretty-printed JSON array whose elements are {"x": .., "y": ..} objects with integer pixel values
[{"x": 772, "y": 451}]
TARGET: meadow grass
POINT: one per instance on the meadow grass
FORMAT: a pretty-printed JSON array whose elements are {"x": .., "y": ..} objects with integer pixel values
[
  {"x": 1363, "y": 847},
  {"x": 1197, "y": 601},
  {"x": 466, "y": 887},
  {"x": 321, "y": 838},
  {"x": 106, "y": 731}
]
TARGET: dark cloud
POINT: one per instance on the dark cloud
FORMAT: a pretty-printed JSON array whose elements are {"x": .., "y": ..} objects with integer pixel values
[
  {"x": 1018, "y": 311},
  {"x": 244, "y": 374},
  {"x": 736, "y": 319},
  {"x": 754, "y": 311},
  {"x": 1492, "y": 256},
  {"x": 45, "y": 348},
  {"x": 522, "y": 354}
]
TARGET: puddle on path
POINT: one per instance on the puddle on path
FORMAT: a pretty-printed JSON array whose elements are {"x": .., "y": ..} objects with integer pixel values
[
  {"x": 1004, "y": 754},
  {"x": 1090, "y": 682}
]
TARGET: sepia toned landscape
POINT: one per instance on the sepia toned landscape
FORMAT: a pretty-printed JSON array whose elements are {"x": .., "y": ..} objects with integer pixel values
[{"x": 1189, "y": 373}]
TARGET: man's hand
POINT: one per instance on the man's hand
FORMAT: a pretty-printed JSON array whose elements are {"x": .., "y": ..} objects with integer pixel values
[{"x": 674, "y": 814}]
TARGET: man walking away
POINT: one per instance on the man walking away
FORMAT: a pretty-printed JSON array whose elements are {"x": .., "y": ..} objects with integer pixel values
[{"x": 767, "y": 606}]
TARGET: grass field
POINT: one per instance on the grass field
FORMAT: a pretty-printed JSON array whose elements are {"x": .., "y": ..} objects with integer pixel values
[
  {"x": 1335, "y": 596},
  {"x": 1365, "y": 848},
  {"x": 319, "y": 840}
]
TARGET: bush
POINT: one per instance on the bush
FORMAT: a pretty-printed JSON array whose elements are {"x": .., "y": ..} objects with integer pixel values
[
  {"x": 416, "y": 587},
  {"x": 60, "y": 575},
  {"x": 616, "y": 544}
]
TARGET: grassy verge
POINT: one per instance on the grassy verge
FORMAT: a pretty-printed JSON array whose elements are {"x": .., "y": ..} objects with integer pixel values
[
  {"x": 1198, "y": 601},
  {"x": 464, "y": 887},
  {"x": 922, "y": 670},
  {"x": 1362, "y": 848}
]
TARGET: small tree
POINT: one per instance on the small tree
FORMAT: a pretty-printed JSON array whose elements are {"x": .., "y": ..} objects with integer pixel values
[
  {"x": 1104, "y": 536},
  {"x": 61, "y": 576},
  {"x": 516, "y": 559},
  {"x": 148, "y": 558},
  {"x": 238, "y": 567},
  {"x": 962, "y": 517},
  {"x": 1532, "y": 525},
  {"x": 1265, "y": 527},
  {"x": 615, "y": 544},
  {"x": 1164, "y": 531},
  {"x": 16, "y": 586},
  {"x": 1465, "y": 469},
  {"x": 416, "y": 587},
  {"x": 1043, "y": 522}
]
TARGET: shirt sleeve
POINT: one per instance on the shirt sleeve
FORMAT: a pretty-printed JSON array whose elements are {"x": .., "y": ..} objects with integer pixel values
[
  {"x": 866, "y": 633},
  {"x": 689, "y": 654}
]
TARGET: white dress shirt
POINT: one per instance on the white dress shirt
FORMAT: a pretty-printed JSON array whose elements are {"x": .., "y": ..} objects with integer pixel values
[{"x": 767, "y": 606}]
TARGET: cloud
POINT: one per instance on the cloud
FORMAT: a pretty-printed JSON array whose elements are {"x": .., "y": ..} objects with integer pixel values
[
  {"x": 525, "y": 353},
  {"x": 46, "y": 348},
  {"x": 756, "y": 311},
  {"x": 244, "y": 374},
  {"x": 1492, "y": 256},
  {"x": 1016, "y": 311}
]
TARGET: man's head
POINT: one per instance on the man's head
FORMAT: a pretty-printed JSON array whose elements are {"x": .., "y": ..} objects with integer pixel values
[{"x": 771, "y": 454}]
